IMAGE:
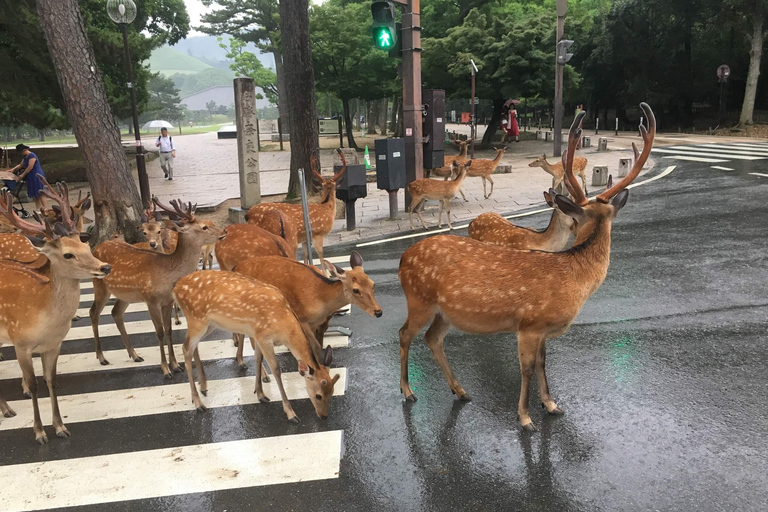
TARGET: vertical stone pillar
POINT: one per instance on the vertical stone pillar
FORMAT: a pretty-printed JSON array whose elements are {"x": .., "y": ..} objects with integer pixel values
[{"x": 247, "y": 147}]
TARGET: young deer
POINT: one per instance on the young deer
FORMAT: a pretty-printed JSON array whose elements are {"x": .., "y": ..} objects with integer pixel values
[
  {"x": 321, "y": 215},
  {"x": 246, "y": 241},
  {"x": 556, "y": 170},
  {"x": 482, "y": 289},
  {"x": 484, "y": 168},
  {"x": 238, "y": 303},
  {"x": 312, "y": 296},
  {"x": 443, "y": 191},
  {"x": 40, "y": 301},
  {"x": 207, "y": 255},
  {"x": 146, "y": 276},
  {"x": 446, "y": 171},
  {"x": 494, "y": 229}
]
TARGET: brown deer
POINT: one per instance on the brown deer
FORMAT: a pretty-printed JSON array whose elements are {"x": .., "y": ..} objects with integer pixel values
[
  {"x": 207, "y": 255},
  {"x": 282, "y": 225},
  {"x": 483, "y": 289},
  {"x": 556, "y": 170},
  {"x": 443, "y": 191},
  {"x": 40, "y": 301},
  {"x": 246, "y": 241},
  {"x": 241, "y": 304},
  {"x": 484, "y": 168},
  {"x": 494, "y": 229},
  {"x": 312, "y": 296},
  {"x": 446, "y": 170},
  {"x": 321, "y": 215},
  {"x": 77, "y": 211},
  {"x": 140, "y": 275}
]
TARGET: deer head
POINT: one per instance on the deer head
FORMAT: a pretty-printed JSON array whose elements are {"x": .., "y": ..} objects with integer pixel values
[
  {"x": 153, "y": 227},
  {"x": 189, "y": 226},
  {"x": 358, "y": 287},
  {"x": 540, "y": 160},
  {"x": 318, "y": 380},
  {"x": 60, "y": 242},
  {"x": 329, "y": 185}
]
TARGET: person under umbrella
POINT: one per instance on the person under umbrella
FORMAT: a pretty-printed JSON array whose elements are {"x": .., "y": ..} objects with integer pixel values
[{"x": 509, "y": 122}]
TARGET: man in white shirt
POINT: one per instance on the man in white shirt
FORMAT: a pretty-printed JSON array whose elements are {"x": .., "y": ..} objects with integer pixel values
[{"x": 167, "y": 153}]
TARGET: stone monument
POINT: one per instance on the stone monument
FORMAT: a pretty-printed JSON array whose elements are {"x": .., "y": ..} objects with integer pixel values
[{"x": 246, "y": 119}]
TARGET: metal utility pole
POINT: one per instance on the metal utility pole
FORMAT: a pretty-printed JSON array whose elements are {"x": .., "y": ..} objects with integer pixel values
[
  {"x": 472, "y": 119},
  {"x": 723, "y": 72},
  {"x": 412, "y": 106},
  {"x": 562, "y": 7}
]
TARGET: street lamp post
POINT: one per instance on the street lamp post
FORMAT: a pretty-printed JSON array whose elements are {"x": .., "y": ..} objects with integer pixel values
[{"x": 123, "y": 12}]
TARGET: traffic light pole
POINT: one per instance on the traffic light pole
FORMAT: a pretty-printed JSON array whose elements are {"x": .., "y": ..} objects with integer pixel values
[
  {"x": 558, "y": 128},
  {"x": 412, "y": 105}
]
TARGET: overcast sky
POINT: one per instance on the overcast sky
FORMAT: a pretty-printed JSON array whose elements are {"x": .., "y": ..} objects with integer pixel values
[{"x": 195, "y": 8}]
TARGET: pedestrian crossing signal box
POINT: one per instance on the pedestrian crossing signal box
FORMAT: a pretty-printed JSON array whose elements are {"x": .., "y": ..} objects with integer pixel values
[
  {"x": 384, "y": 25},
  {"x": 390, "y": 164}
]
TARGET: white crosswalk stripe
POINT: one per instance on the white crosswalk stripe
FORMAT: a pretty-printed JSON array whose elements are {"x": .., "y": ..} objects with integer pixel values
[
  {"x": 171, "y": 471},
  {"x": 695, "y": 159},
  {"x": 720, "y": 168},
  {"x": 158, "y": 473},
  {"x": 759, "y": 174},
  {"x": 722, "y": 148},
  {"x": 699, "y": 152}
]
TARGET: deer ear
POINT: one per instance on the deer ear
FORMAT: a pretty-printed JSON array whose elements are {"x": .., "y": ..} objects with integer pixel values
[
  {"x": 569, "y": 208},
  {"x": 549, "y": 198},
  {"x": 336, "y": 272},
  {"x": 335, "y": 378},
  {"x": 60, "y": 229},
  {"x": 144, "y": 218},
  {"x": 619, "y": 200},
  {"x": 86, "y": 205},
  {"x": 610, "y": 182},
  {"x": 303, "y": 369},
  {"x": 327, "y": 356},
  {"x": 158, "y": 217},
  {"x": 36, "y": 241},
  {"x": 355, "y": 260},
  {"x": 84, "y": 237}
]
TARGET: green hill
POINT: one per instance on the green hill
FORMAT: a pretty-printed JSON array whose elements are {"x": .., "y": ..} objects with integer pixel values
[
  {"x": 169, "y": 61},
  {"x": 189, "y": 83}
]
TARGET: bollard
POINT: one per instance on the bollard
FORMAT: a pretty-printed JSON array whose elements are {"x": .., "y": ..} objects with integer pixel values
[
  {"x": 539, "y": 135},
  {"x": 597, "y": 126},
  {"x": 586, "y": 142},
  {"x": 616, "y": 132},
  {"x": 548, "y": 136},
  {"x": 599, "y": 175},
  {"x": 624, "y": 165},
  {"x": 602, "y": 144}
]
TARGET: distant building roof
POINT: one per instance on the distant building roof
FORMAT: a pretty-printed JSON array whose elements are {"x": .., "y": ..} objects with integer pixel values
[{"x": 221, "y": 94}]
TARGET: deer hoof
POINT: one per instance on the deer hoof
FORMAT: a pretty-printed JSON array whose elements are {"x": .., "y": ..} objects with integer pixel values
[
  {"x": 201, "y": 408},
  {"x": 41, "y": 440},
  {"x": 178, "y": 322},
  {"x": 266, "y": 379},
  {"x": 63, "y": 433},
  {"x": 10, "y": 414},
  {"x": 168, "y": 376},
  {"x": 411, "y": 398},
  {"x": 177, "y": 369},
  {"x": 138, "y": 359},
  {"x": 264, "y": 399},
  {"x": 295, "y": 420},
  {"x": 27, "y": 394},
  {"x": 529, "y": 427},
  {"x": 236, "y": 343},
  {"x": 104, "y": 362},
  {"x": 556, "y": 412},
  {"x": 243, "y": 367},
  {"x": 464, "y": 397},
  {"x": 204, "y": 392}
]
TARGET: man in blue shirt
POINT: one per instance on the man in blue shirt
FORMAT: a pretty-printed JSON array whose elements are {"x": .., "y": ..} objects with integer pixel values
[{"x": 32, "y": 172}]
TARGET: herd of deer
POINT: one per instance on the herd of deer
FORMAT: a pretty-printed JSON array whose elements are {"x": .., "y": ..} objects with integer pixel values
[{"x": 504, "y": 278}]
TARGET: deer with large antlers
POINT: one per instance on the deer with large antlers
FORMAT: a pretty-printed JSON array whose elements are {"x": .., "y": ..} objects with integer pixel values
[
  {"x": 483, "y": 289},
  {"x": 241, "y": 304},
  {"x": 321, "y": 215},
  {"x": 557, "y": 173},
  {"x": 312, "y": 296},
  {"x": 140, "y": 275},
  {"x": 443, "y": 191},
  {"x": 40, "y": 300}
]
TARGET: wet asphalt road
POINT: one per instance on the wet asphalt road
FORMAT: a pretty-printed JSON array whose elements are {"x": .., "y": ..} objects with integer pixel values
[{"x": 662, "y": 379}]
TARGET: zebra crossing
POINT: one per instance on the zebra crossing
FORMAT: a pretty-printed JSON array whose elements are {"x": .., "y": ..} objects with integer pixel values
[
  {"x": 124, "y": 396},
  {"x": 716, "y": 153}
]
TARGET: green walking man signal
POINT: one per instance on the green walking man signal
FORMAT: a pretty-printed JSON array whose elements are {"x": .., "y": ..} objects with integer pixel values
[{"x": 384, "y": 25}]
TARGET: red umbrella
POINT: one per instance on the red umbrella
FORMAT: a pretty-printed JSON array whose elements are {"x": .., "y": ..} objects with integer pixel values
[{"x": 511, "y": 102}]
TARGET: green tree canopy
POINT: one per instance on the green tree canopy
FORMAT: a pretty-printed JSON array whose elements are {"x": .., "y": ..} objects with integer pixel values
[{"x": 247, "y": 64}]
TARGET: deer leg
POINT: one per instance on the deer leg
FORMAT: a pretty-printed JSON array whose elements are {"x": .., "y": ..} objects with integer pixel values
[
  {"x": 527, "y": 347},
  {"x": 49, "y": 371},
  {"x": 541, "y": 374},
  {"x": 269, "y": 354},
  {"x": 166, "y": 310},
  {"x": 318, "y": 245},
  {"x": 484, "y": 194},
  {"x": 462, "y": 195},
  {"x": 258, "y": 390},
  {"x": 434, "y": 338},
  {"x": 195, "y": 332},
  {"x": 410, "y": 214},
  {"x": 156, "y": 314},
  {"x": 176, "y": 314},
  {"x": 417, "y": 319},
  {"x": 201, "y": 373},
  {"x": 491, "y": 192},
  {"x": 261, "y": 367},
  {"x": 440, "y": 205},
  {"x": 100, "y": 298},
  {"x": 5, "y": 408},
  {"x": 28, "y": 370},
  {"x": 418, "y": 212},
  {"x": 448, "y": 212},
  {"x": 118, "y": 313},
  {"x": 239, "y": 342}
]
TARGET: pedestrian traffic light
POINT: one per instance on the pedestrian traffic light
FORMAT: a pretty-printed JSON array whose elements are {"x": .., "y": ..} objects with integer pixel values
[
  {"x": 562, "y": 51},
  {"x": 384, "y": 25}
]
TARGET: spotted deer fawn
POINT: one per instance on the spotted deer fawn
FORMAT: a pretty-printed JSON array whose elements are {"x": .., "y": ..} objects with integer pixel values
[
  {"x": 482, "y": 289},
  {"x": 446, "y": 170},
  {"x": 442, "y": 191},
  {"x": 556, "y": 170},
  {"x": 246, "y": 241},
  {"x": 321, "y": 215},
  {"x": 40, "y": 300},
  {"x": 140, "y": 275},
  {"x": 312, "y": 296},
  {"x": 484, "y": 168},
  {"x": 241, "y": 304}
]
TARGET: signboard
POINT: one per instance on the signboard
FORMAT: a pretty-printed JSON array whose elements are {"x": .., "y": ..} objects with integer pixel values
[
  {"x": 453, "y": 116},
  {"x": 723, "y": 72},
  {"x": 328, "y": 126}
]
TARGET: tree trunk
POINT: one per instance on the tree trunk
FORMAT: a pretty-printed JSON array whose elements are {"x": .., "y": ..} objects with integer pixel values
[
  {"x": 348, "y": 124},
  {"x": 494, "y": 123},
  {"x": 282, "y": 96},
  {"x": 755, "y": 55},
  {"x": 383, "y": 106},
  {"x": 116, "y": 201},
  {"x": 393, "y": 118},
  {"x": 300, "y": 89},
  {"x": 373, "y": 116}
]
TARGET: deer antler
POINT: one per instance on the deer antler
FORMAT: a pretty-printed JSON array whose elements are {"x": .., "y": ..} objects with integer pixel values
[
  {"x": 6, "y": 209},
  {"x": 61, "y": 197},
  {"x": 574, "y": 134},
  {"x": 313, "y": 164},
  {"x": 648, "y": 136},
  {"x": 343, "y": 165},
  {"x": 178, "y": 209}
]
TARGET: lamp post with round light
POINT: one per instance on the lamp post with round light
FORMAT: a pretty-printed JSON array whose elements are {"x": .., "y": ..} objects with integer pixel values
[{"x": 123, "y": 12}]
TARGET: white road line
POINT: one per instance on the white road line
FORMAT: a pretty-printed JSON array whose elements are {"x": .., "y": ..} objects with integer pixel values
[
  {"x": 164, "y": 399},
  {"x": 720, "y": 148},
  {"x": 662, "y": 174},
  {"x": 759, "y": 174},
  {"x": 136, "y": 307},
  {"x": 139, "y": 327},
  {"x": 722, "y": 168},
  {"x": 759, "y": 145},
  {"x": 695, "y": 159},
  {"x": 171, "y": 471},
  {"x": 696, "y": 152},
  {"x": 119, "y": 360},
  {"x": 405, "y": 237}
]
